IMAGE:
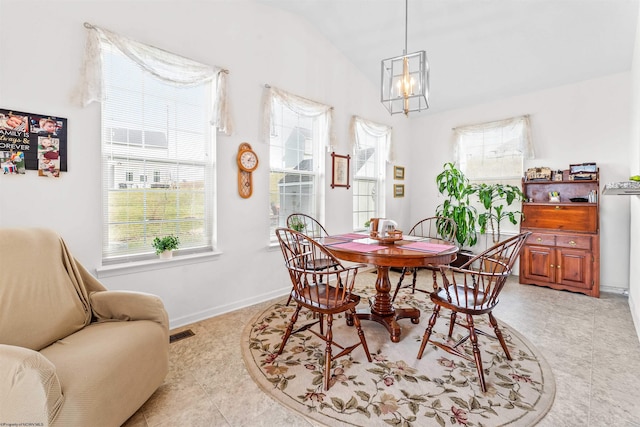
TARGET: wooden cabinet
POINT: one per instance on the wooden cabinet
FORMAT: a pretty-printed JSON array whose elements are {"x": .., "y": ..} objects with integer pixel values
[{"x": 563, "y": 251}]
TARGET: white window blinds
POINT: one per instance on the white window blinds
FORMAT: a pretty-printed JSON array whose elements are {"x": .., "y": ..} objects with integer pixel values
[
  {"x": 298, "y": 131},
  {"x": 371, "y": 144},
  {"x": 163, "y": 65},
  {"x": 158, "y": 162},
  {"x": 494, "y": 150}
]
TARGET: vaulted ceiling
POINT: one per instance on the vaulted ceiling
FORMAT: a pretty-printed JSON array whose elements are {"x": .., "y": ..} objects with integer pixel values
[{"x": 481, "y": 50}]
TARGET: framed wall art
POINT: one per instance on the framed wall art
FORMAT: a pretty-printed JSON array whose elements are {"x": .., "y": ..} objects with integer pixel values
[
  {"x": 398, "y": 190},
  {"x": 398, "y": 172},
  {"x": 30, "y": 141},
  {"x": 340, "y": 170}
]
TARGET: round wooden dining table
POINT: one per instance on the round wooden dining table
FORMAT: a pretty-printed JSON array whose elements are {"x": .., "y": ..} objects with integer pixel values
[{"x": 402, "y": 253}]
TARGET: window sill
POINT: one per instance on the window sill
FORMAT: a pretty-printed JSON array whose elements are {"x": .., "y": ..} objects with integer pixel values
[{"x": 154, "y": 264}]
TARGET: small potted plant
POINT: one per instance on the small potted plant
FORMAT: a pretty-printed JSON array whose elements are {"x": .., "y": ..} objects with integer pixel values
[
  {"x": 297, "y": 224},
  {"x": 166, "y": 245}
]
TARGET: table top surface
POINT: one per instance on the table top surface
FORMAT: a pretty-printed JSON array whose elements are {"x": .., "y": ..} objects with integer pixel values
[{"x": 411, "y": 251}]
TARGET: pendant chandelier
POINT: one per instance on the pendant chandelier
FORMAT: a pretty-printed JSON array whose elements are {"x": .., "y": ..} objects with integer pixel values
[{"x": 405, "y": 79}]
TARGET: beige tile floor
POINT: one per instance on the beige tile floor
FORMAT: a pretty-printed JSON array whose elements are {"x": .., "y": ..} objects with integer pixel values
[{"x": 590, "y": 343}]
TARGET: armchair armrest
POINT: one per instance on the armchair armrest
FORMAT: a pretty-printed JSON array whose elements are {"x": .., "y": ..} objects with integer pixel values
[
  {"x": 30, "y": 392},
  {"x": 128, "y": 305}
]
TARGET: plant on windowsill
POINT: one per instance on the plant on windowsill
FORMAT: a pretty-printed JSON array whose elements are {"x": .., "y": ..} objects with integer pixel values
[
  {"x": 495, "y": 199},
  {"x": 166, "y": 245}
]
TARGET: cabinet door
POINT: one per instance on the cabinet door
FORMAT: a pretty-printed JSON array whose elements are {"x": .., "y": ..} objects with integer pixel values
[
  {"x": 574, "y": 268},
  {"x": 539, "y": 263}
]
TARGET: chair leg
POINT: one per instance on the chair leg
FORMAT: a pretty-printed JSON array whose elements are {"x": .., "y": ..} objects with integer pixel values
[
  {"x": 404, "y": 270},
  {"x": 327, "y": 352},
  {"x": 363, "y": 340},
  {"x": 434, "y": 273},
  {"x": 288, "y": 300},
  {"x": 498, "y": 333},
  {"x": 427, "y": 332},
  {"x": 452, "y": 323},
  {"x": 415, "y": 277},
  {"x": 476, "y": 352},
  {"x": 287, "y": 333}
]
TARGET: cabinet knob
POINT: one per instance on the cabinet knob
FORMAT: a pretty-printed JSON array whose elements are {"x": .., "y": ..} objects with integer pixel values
[
  {"x": 572, "y": 243},
  {"x": 557, "y": 266},
  {"x": 551, "y": 265},
  {"x": 557, "y": 207},
  {"x": 539, "y": 239}
]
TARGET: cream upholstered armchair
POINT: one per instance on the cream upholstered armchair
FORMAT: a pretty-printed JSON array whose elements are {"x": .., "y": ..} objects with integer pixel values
[{"x": 71, "y": 352}]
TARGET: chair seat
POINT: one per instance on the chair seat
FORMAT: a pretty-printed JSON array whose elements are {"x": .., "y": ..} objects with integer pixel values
[
  {"x": 461, "y": 298},
  {"x": 321, "y": 264},
  {"x": 323, "y": 297}
]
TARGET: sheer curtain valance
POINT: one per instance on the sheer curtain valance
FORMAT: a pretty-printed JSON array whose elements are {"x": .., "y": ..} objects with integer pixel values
[
  {"x": 301, "y": 106},
  {"x": 516, "y": 131},
  {"x": 163, "y": 65},
  {"x": 376, "y": 130}
]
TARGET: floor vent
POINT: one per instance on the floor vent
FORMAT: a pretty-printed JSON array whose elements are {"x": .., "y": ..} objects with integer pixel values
[{"x": 180, "y": 335}]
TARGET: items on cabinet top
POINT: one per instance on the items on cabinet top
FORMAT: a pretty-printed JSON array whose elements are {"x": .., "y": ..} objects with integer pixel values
[
  {"x": 563, "y": 186},
  {"x": 576, "y": 172}
]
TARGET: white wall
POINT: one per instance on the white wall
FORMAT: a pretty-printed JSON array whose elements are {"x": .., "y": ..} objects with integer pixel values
[
  {"x": 258, "y": 45},
  {"x": 582, "y": 122},
  {"x": 634, "y": 167}
]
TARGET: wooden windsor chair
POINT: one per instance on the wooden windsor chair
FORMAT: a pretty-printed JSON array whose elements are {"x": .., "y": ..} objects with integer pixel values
[
  {"x": 473, "y": 289},
  {"x": 333, "y": 295},
  {"x": 435, "y": 227},
  {"x": 310, "y": 227}
]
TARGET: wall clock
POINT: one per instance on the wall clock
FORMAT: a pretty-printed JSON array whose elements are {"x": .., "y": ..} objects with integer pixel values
[{"x": 247, "y": 162}]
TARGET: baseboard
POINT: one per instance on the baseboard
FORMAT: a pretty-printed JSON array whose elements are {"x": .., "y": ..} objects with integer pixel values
[
  {"x": 614, "y": 290},
  {"x": 216, "y": 311},
  {"x": 634, "y": 315}
]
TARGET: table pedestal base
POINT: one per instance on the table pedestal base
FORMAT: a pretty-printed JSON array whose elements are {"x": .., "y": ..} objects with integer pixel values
[
  {"x": 389, "y": 321},
  {"x": 382, "y": 310}
]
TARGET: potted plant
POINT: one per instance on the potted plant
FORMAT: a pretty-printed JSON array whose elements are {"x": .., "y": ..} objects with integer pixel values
[
  {"x": 495, "y": 199},
  {"x": 455, "y": 187},
  {"x": 166, "y": 245},
  {"x": 297, "y": 224}
]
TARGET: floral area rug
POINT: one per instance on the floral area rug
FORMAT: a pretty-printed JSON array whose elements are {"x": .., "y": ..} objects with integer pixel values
[{"x": 396, "y": 388}]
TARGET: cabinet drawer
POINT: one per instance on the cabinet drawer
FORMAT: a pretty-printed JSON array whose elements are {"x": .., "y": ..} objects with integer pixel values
[
  {"x": 541, "y": 239},
  {"x": 577, "y": 242},
  {"x": 561, "y": 217}
]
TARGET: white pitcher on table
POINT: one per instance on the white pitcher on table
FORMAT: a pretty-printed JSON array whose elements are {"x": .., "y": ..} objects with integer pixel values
[{"x": 385, "y": 226}]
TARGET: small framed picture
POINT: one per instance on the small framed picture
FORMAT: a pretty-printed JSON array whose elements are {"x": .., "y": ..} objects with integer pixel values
[
  {"x": 398, "y": 172},
  {"x": 340, "y": 167},
  {"x": 398, "y": 190}
]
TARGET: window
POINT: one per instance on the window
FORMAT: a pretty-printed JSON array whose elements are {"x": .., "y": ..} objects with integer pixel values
[
  {"x": 494, "y": 152},
  {"x": 298, "y": 133},
  {"x": 370, "y": 143},
  {"x": 159, "y": 132}
]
